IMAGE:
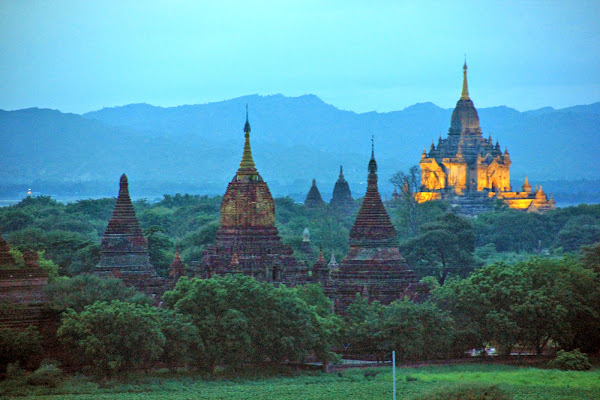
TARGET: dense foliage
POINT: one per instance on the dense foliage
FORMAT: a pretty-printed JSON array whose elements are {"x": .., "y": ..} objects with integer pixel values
[
  {"x": 526, "y": 304},
  {"x": 22, "y": 347},
  {"x": 115, "y": 336},
  {"x": 240, "y": 320},
  {"x": 415, "y": 331}
]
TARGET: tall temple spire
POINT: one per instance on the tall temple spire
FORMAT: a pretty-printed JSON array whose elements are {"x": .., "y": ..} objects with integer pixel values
[
  {"x": 247, "y": 167},
  {"x": 372, "y": 162},
  {"x": 341, "y": 173},
  {"x": 465, "y": 88},
  {"x": 372, "y": 226}
]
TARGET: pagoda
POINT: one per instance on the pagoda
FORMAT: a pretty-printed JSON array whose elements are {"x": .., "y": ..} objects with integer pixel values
[
  {"x": 124, "y": 249},
  {"x": 470, "y": 170},
  {"x": 177, "y": 268},
  {"x": 248, "y": 241},
  {"x": 313, "y": 198},
  {"x": 342, "y": 198},
  {"x": 373, "y": 265}
]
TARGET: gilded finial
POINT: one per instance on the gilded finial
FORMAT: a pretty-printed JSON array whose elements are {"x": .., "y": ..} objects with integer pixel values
[
  {"x": 465, "y": 89},
  {"x": 247, "y": 166}
]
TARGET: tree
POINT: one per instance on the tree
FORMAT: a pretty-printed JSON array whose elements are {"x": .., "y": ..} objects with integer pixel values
[
  {"x": 83, "y": 290},
  {"x": 182, "y": 342},
  {"x": 416, "y": 331},
  {"x": 408, "y": 184},
  {"x": 19, "y": 346},
  {"x": 231, "y": 314},
  {"x": 114, "y": 337},
  {"x": 529, "y": 303},
  {"x": 442, "y": 247}
]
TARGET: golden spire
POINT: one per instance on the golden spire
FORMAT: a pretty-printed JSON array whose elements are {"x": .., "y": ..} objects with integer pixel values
[
  {"x": 465, "y": 89},
  {"x": 247, "y": 166}
]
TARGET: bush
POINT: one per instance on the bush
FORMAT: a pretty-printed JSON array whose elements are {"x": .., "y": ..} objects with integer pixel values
[
  {"x": 48, "y": 374},
  {"x": 19, "y": 346},
  {"x": 467, "y": 392},
  {"x": 571, "y": 361}
]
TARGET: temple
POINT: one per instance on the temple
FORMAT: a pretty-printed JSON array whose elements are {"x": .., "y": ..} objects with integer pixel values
[
  {"x": 177, "y": 268},
  {"x": 373, "y": 265},
  {"x": 313, "y": 198},
  {"x": 469, "y": 170},
  {"x": 342, "y": 198},
  {"x": 248, "y": 241},
  {"x": 124, "y": 249},
  {"x": 22, "y": 292}
]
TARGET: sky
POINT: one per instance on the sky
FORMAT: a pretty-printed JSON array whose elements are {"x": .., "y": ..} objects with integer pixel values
[{"x": 79, "y": 56}]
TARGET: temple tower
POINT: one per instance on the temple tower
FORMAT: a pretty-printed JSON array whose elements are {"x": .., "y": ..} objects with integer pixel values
[
  {"x": 342, "y": 198},
  {"x": 466, "y": 168},
  {"x": 177, "y": 268},
  {"x": 124, "y": 249},
  {"x": 248, "y": 241},
  {"x": 313, "y": 198},
  {"x": 374, "y": 263}
]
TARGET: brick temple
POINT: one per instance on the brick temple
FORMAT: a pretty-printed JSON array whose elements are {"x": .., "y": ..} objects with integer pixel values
[
  {"x": 342, "y": 197},
  {"x": 373, "y": 266},
  {"x": 313, "y": 198},
  {"x": 124, "y": 249},
  {"x": 469, "y": 170},
  {"x": 22, "y": 297},
  {"x": 248, "y": 241}
]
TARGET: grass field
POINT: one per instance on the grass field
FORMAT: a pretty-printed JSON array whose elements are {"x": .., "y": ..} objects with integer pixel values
[{"x": 521, "y": 382}]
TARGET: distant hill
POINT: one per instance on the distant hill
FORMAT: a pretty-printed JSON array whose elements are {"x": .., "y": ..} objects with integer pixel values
[{"x": 293, "y": 138}]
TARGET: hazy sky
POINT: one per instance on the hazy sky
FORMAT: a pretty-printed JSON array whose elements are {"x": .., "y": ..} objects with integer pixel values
[{"x": 78, "y": 56}]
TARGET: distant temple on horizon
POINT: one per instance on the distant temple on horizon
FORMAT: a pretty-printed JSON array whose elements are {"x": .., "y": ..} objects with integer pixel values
[
  {"x": 248, "y": 241},
  {"x": 341, "y": 200},
  {"x": 469, "y": 170}
]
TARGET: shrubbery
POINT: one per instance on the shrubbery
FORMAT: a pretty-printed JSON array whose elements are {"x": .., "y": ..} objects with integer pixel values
[
  {"x": 571, "y": 361},
  {"x": 22, "y": 347},
  {"x": 48, "y": 374}
]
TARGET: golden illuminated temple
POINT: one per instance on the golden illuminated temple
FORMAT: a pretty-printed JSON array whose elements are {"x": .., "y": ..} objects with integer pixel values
[{"x": 470, "y": 170}]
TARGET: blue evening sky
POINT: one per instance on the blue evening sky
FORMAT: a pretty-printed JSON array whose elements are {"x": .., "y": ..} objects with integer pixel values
[{"x": 78, "y": 56}]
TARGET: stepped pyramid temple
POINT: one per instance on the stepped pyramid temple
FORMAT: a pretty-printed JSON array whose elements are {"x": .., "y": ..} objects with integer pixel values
[
  {"x": 373, "y": 265},
  {"x": 342, "y": 198},
  {"x": 22, "y": 298},
  {"x": 469, "y": 170},
  {"x": 313, "y": 198},
  {"x": 124, "y": 249},
  {"x": 248, "y": 241}
]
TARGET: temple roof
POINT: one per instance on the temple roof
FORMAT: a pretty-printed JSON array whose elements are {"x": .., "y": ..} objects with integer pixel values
[
  {"x": 124, "y": 220},
  {"x": 372, "y": 227},
  {"x": 465, "y": 120},
  {"x": 247, "y": 201},
  {"x": 313, "y": 198}
]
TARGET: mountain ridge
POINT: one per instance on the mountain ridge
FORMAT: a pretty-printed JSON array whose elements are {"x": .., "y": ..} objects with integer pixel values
[{"x": 294, "y": 139}]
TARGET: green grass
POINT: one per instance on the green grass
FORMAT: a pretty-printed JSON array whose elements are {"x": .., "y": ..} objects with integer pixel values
[{"x": 522, "y": 383}]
